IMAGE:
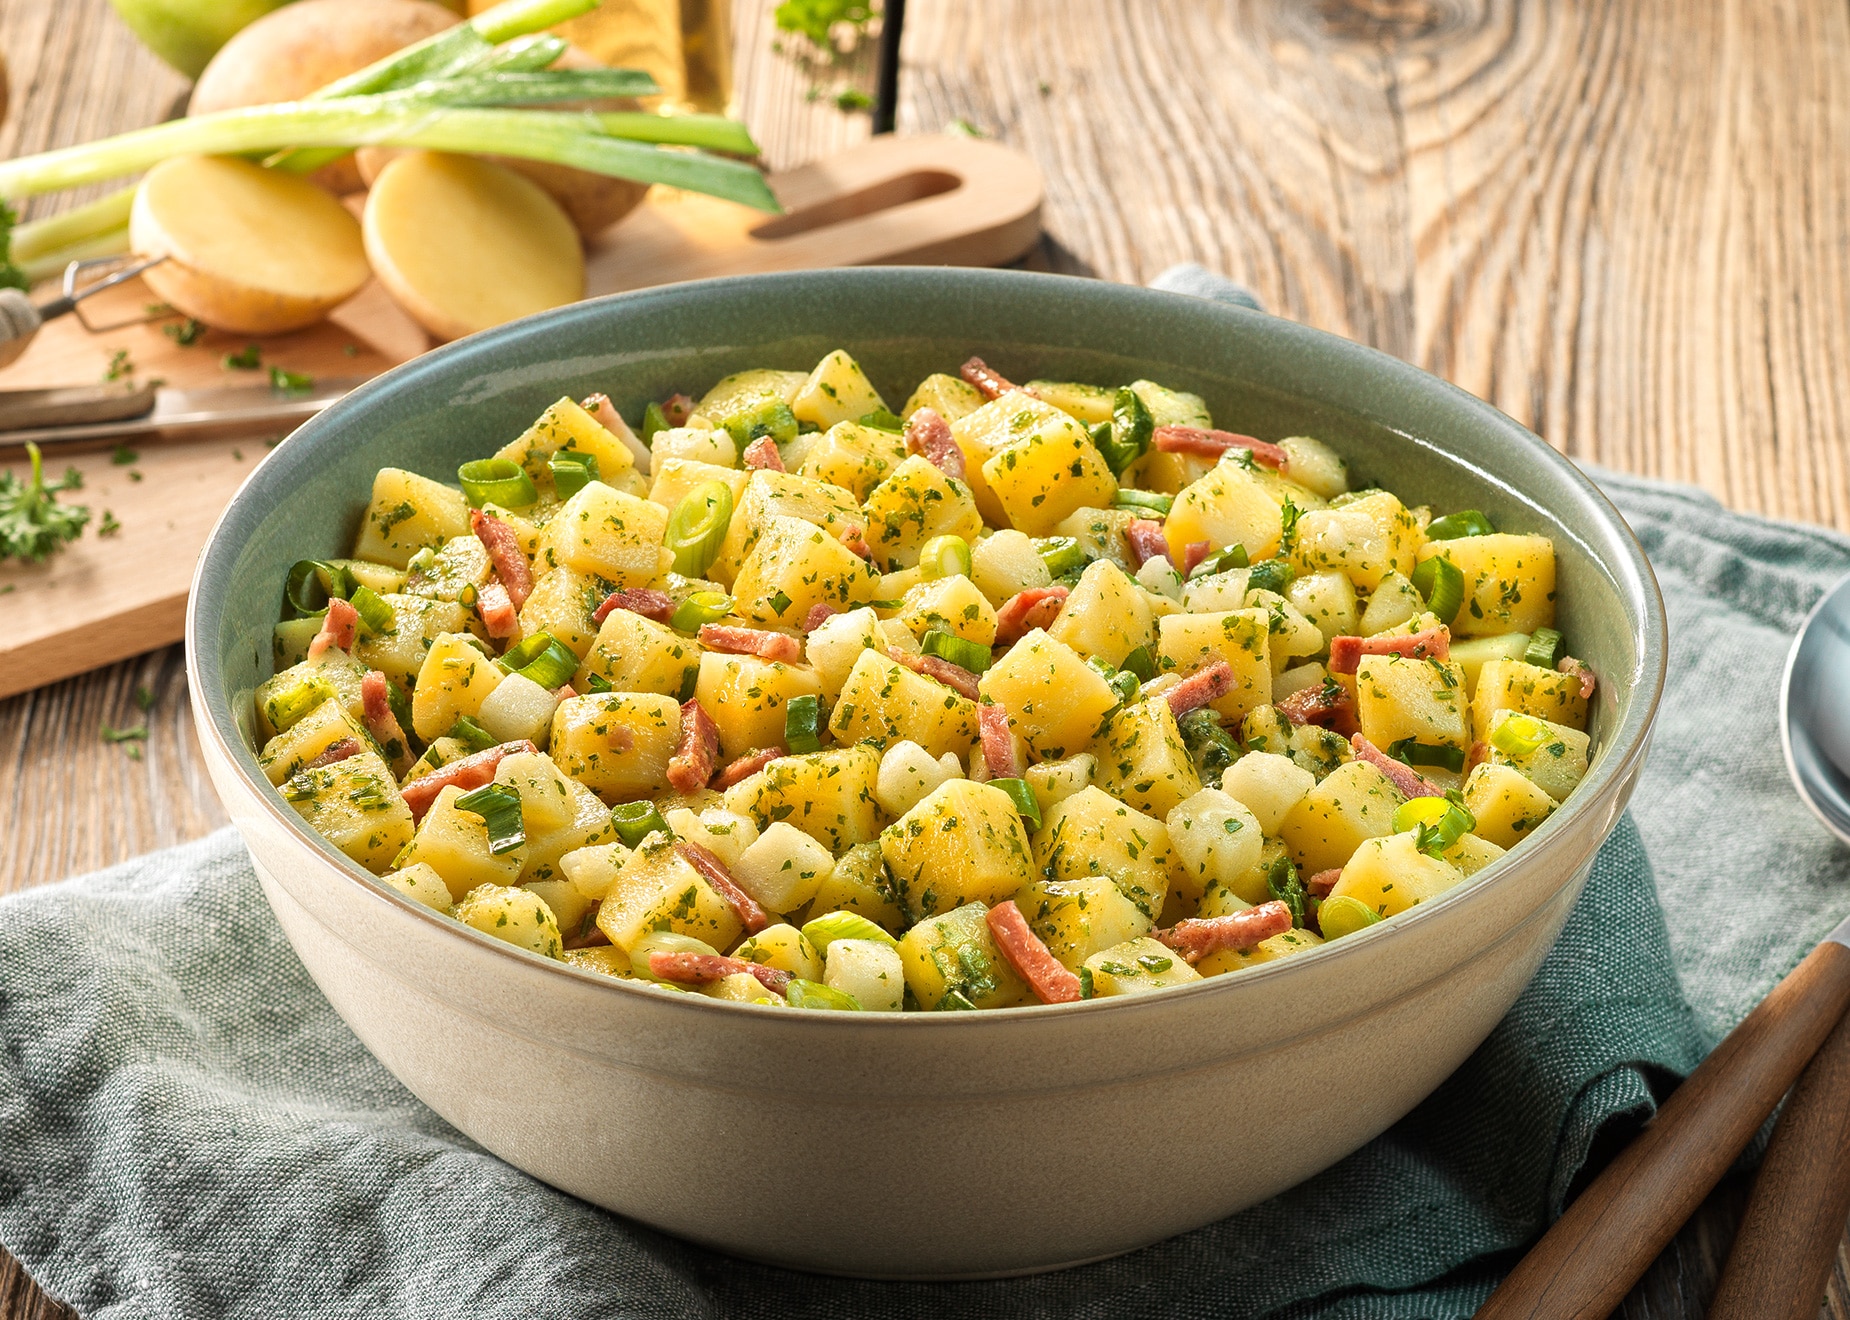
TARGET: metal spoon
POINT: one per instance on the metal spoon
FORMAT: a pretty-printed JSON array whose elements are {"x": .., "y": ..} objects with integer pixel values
[{"x": 1602, "y": 1245}]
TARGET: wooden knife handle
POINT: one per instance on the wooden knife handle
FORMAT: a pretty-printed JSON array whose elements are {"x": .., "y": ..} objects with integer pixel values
[
  {"x": 1782, "y": 1257},
  {"x": 1583, "y": 1266}
]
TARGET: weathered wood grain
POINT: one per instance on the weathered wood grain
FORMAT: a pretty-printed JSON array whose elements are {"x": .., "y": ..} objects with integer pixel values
[{"x": 1628, "y": 225}]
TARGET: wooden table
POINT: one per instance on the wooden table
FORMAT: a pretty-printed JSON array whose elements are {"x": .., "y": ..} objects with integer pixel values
[{"x": 1627, "y": 225}]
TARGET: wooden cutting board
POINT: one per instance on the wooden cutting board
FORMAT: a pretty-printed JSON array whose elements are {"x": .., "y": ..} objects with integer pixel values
[{"x": 929, "y": 200}]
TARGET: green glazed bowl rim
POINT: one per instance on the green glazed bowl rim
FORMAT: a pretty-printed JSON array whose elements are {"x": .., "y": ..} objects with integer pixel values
[{"x": 1085, "y": 301}]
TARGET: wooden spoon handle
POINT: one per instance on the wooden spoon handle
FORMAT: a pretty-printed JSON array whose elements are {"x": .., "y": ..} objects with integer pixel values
[
  {"x": 1584, "y": 1265},
  {"x": 1782, "y": 1257}
]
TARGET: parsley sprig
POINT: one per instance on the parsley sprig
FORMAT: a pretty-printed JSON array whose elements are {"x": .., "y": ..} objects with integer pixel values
[{"x": 33, "y": 525}]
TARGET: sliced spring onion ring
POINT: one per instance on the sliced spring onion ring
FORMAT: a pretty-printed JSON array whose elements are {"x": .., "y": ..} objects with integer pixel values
[
  {"x": 813, "y": 994},
  {"x": 1418, "y": 753},
  {"x": 636, "y": 821},
  {"x": 1439, "y": 822},
  {"x": 882, "y": 420},
  {"x": 310, "y": 584},
  {"x": 831, "y": 926},
  {"x": 1415, "y": 812},
  {"x": 1342, "y": 915},
  {"x": 1149, "y": 500},
  {"x": 471, "y": 734},
  {"x": 803, "y": 723},
  {"x": 553, "y": 666},
  {"x": 963, "y": 653},
  {"x": 297, "y": 700},
  {"x": 1439, "y": 580},
  {"x": 523, "y": 653},
  {"x": 654, "y": 420},
  {"x": 1026, "y": 804},
  {"x": 943, "y": 557},
  {"x": 699, "y": 608},
  {"x": 572, "y": 471},
  {"x": 1061, "y": 554},
  {"x": 1466, "y": 522},
  {"x": 1544, "y": 648},
  {"x": 1138, "y": 662},
  {"x": 1234, "y": 556},
  {"x": 698, "y": 526},
  {"x": 376, "y": 616},
  {"x": 1273, "y": 575},
  {"x": 1519, "y": 735},
  {"x": 1283, "y": 883},
  {"x": 1127, "y": 438},
  {"x": 499, "y": 481},
  {"x": 1210, "y": 746},
  {"x": 499, "y": 808},
  {"x": 597, "y": 683}
]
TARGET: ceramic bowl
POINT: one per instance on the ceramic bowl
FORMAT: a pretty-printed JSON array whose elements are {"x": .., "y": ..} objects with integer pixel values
[{"x": 928, "y": 1145}]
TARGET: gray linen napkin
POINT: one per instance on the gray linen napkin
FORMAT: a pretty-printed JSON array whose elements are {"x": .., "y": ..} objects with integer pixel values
[{"x": 186, "y": 1128}]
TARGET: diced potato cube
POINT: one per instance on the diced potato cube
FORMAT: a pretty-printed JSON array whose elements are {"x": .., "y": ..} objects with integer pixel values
[
  {"x": 914, "y": 504},
  {"x": 746, "y": 696},
  {"x": 1279, "y": 946},
  {"x": 795, "y": 566},
  {"x": 604, "y": 533},
  {"x": 1214, "y": 840},
  {"x": 1315, "y": 465},
  {"x": 1090, "y": 404},
  {"x": 289, "y": 696},
  {"x": 856, "y": 458},
  {"x": 658, "y": 890},
  {"x": 836, "y": 391},
  {"x": 829, "y": 795},
  {"x": 1390, "y": 874},
  {"x": 1190, "y": 642},
  {"x": 1216, "y": 593},
  {"x": 1472, "y": 854},
  {"x": 751, "y": 397},
  {"x": 1269, "y": 785},
  {"x": 454, "y": 680},
  {"x": 870, "y": 970},
  {"x": 421, "y": 884},
  {"x": 355, "y": 805},
  {"x": 783, "y": 868},
  {"x": 908, "y": 774},
  {"x": 675, "y": 478},
  {"x": 1054, "y": 699},
  {"x": 1102, "y": 534},
  {"x": 739, "y": 988},
  {"x": 1105, "y": 616},
  {"x": 963, "y": 843},
  {"x": 1228, "y": 506},
  {"x": 1393, "y": 604},
  {"x": 1399, "y": 697},
  {"x": 1048, "y": 472},
  {"x": 1076, "y": 918},
  {"x": 518, "y": 708},
  {"x": 1006, "y": 563},
  {"x": 1509, "y": 582},
  {"x": 1328, "y": 601},
  {"x": 571, "y": 910},
  {"x": 1367, "y": 538},
  {"x": 721, "y": 831},
  {"x": 566, "y": 427},
  {"x": 1291, "y": 633},
  {"x": 784, "y": 947},
  {"x": 326, "y": 724},
  {"x": 883, "y": 702},
  {"x": 951, "y": 961},
  {"x": 949, "y": 604},
  {"x": 617, "y": 744},
  {"x": 545, "y": 794},
  {"x": 1321, "y": 751},
  {"x": 987, "y": 430},
  {"x": 1516, "y": 685},
  {"x": 417, "y": 622},
  {"x": 859, "y": 884},
  {"x": 1328, "y": 824},
  {"x": 833, "y": 647},
  {"x": 518, "y": 916},
  {"x": 951, "y": 397},
  {"x": 407, "y": 513},
  {"x": 454, "y": 843},
  {"x": 641, "y": 655},
  {"x": 562, "y": 603},
  {"x": 1092, "y": 833},
  {"x": 1054, "y": 782},
  {"x": 588, "y": 826},
  {"x": 1143, "y": 761},
  {"x": 1508, "y": 807},
  {"x": 1556, "y": 766},
  {"x": 593, "y": 868},
  {"x": 770, "y": 496},
  {"x": 1136, "y": 967}
]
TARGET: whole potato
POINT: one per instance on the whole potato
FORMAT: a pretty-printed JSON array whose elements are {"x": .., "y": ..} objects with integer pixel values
[{"x": 303, "y": 47}]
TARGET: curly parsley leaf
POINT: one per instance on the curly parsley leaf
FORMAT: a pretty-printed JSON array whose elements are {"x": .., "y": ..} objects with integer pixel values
[
  {"x": 33, "y": 525},
  {"x": 814, "y": 18}
]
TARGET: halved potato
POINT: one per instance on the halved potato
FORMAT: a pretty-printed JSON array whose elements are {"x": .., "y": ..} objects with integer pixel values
[
  {"x": 463, "y": 244},
  {"x": 250, "y": 250}
]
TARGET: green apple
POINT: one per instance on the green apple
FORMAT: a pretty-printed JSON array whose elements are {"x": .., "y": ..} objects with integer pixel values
[{"x": 187, "y": 33}]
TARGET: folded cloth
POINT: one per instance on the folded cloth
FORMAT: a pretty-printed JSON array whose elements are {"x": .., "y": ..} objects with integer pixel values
[{"x": 187, "y": 1129}]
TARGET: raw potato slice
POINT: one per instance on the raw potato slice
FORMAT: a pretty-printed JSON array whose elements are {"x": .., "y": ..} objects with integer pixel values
[
  {"x": 463, "y": 244},
  {"x": 249, "y": 250}
]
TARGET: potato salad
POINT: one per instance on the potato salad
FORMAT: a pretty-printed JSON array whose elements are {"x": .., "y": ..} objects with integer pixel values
[{"x": 1023, "y": 694}]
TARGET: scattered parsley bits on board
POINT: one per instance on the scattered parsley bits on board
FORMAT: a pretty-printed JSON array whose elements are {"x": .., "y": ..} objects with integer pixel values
[
  {"x": 248, "y": 358},
  {"x": 33, "y": 524}
]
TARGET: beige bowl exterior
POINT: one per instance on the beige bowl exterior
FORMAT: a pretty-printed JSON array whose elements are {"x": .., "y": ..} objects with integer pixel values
[{"x": 929, "y": 1145}]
